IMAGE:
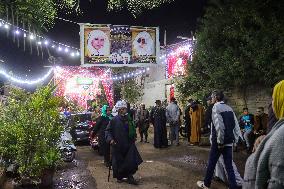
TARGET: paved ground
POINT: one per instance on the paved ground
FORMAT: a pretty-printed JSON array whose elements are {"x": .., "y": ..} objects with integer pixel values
[
  {"x": 170, "y": 168},
  {"x": 174, "y": 167}
]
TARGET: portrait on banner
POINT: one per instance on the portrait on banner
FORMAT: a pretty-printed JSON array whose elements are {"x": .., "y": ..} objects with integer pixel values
[
  {"x": 97, "y": 42},
  {"x": 143, "y": 45},
  {"x": 106, "y": 44}
]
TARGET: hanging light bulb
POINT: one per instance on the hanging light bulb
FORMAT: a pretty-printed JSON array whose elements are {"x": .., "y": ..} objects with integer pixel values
[
  {"x": 72, "y": 54},
  {"x": 59, "y": 49},
  {"x": 66, "y": 50},
  {"x": 6, "y": 26},
  {"x": 17, "y": 32},
  {"x": 32, "y": 37},
  {"x": 39, "y": 42},
  {"x": 46, "y": 42},
  {"x": 25, "y": 35}
]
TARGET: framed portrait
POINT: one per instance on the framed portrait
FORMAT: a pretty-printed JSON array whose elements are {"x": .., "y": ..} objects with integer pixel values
[
  {"x": 97, "y": 42},
  {"x": 143, "y": 42}
]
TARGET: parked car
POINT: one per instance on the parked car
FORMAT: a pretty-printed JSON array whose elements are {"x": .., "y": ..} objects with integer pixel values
[{"x": 80, "y": 126}]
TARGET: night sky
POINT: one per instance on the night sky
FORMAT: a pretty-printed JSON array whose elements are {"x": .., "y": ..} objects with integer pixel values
[{"x": 178, "y": 18}]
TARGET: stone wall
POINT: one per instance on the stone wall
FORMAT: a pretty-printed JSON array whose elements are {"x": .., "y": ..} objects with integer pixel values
[{"x": 256, "y": 96}]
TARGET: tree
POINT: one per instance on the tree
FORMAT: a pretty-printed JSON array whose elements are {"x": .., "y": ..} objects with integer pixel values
[
  {"x": 40, "y": 13},
  {"x": 30, "y": 129},
  {"x": 239, "y": 43},
  {"x": 131, "y": 92},
  {"x": 129, "y": 89},
  {"x": 136, "y": 7}
]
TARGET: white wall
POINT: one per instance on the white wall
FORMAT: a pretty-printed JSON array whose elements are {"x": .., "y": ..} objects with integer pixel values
[
  {"x": 154, "y": 91},
  {"x": 155, "y": 85}
]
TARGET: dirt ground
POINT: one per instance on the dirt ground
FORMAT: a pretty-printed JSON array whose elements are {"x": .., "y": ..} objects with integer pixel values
[{"x": 169, "y": 168}]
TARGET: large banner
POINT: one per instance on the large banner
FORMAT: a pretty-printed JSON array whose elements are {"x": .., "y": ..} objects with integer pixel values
[{"x": 118, "y": 45}]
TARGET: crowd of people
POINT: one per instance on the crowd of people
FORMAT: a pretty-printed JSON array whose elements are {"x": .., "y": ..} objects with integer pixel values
[
  {"x": 263, "y": 137},
  {"x": 261, "y": 134}
]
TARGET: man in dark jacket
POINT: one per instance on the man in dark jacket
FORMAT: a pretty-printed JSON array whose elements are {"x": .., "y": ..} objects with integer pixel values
[
  {"x": 224, "y": 132},
  {"x": 260, "y": 122},
  {"x": 158, "y": 119},
  {"x": 143, "y": 122},
  {"x": 121, "y": 134}
]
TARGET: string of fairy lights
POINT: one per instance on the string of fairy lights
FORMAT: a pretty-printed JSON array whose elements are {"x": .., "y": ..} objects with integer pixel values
[
  {"x": 29, "y": 82},
  {"x": 119, "y": 77},
  {"x": 175, "y": 56},
  {"x": 40, "y": 40},
  {"x": 176, "y": 51}
]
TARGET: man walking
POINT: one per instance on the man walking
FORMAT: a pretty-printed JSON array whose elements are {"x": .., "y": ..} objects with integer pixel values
[
  {"x": 121, "y": 134},
  {"x": 223, "y": 134},
  {"x": 173, "y": 117},
  {"x": 143, "y": 122}
]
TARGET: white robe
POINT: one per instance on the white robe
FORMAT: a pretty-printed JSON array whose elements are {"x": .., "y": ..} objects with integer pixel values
[{"x": 221, "y": 173}]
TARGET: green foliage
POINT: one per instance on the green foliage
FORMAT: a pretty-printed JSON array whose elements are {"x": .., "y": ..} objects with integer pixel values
[
  {"x": 30, "y": 130},
  {"x": 40, "y": 13},
  {"x": 136, "y": 7},
  {"x": 240, "y": 43},
  {"x": 75, "y": 108},
  {"x": 131, "y": 92},
  {"x": 129, "y": 89}
]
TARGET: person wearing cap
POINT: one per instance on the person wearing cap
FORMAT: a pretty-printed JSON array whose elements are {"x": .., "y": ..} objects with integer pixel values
[
  {"x": 158, "y": 119},
  {"x": 173, "y": 117},
  {"x": 225, "y": 131},
  {"x": 121, "y": 135}
]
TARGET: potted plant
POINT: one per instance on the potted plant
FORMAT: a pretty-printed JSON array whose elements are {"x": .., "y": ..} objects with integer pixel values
[{"x": 30, "y": 130}]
